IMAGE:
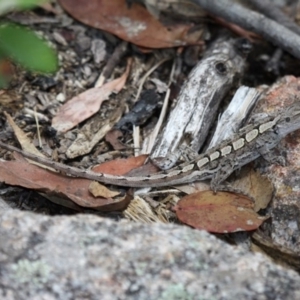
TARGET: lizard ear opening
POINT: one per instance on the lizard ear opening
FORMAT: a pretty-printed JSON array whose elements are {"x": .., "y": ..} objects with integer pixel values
[{"x": 287, "y": 119}]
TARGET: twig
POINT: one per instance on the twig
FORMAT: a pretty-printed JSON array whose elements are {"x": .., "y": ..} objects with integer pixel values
[
  {"x": 251, "y": 20},
  {"x": 148, "y": 73},
  {"x": 115, "y": 58},
  {"x": 150, "y": 140},
  {"x": 37, "y": 127},
  {"x": 270, "y": 9},
  {"x": 136, "y": 140}
]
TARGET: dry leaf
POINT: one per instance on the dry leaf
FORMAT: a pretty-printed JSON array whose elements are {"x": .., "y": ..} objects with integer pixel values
[
  {"x": 144, "y": 170},
  {"x": 194, "y": 187},
  {"x": 99, "y": 190},
  {"x": 113, "y": 136},
  {"x": 134, "y": 24},
  {"x": 253, "y": 184},
  {"x": 25, "y": 142},
  {"x": 222, "y": 212},
  {"x": 30, "y": 176},
  {"x": 87, "y": 103},
  {"x": 120, "y": 166}
]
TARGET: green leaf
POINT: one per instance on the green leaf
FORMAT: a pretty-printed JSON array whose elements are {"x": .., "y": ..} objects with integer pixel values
[
  {"x": 8, "y": 5},
  {"x": 25, "y": 48}
]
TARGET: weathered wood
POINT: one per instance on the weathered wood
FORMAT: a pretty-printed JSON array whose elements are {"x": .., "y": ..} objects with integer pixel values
[
  {"x": 235, "y": 114},
  {"x": 199, "y": 99}
]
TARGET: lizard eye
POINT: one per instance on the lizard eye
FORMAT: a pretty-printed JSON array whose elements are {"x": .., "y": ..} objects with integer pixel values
[{"x": 288, "y": 119}]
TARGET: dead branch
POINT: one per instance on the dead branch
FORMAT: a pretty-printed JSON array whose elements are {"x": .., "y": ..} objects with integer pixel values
[{"x": 256, "y": 22}]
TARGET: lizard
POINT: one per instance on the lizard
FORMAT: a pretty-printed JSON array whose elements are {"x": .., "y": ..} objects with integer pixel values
[{"x": 216, "y": 164}]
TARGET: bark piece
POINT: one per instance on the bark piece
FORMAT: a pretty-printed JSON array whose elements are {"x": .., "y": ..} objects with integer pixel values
[
  {"x": 233, "y": 117},
  {"x": 199, "y": 100}
]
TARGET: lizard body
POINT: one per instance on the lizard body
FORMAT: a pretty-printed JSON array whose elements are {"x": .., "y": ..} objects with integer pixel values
[{"x": 216, "y": 164}]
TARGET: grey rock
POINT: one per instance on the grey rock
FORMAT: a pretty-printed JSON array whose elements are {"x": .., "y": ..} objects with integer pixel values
[{"x": 88, "y": 257}]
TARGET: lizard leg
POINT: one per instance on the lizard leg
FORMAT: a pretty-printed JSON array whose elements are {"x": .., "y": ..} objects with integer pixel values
[
  {"x": 272, "y": 158},
  {"x": 222, "y": 174}
]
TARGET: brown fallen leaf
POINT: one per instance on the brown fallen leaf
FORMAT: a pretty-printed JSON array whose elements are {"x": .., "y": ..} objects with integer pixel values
[
  {"x": 87, "y": 103},
  {"x": 99, "y": 190},
  {"x": 25, "y": 142},
  {"x": 134, "y": 24},
  {"x": 120, "y": 166},
  {"x": 21, "y": 173},
  {"x": 23, "y": 139},
  {"x": 112, "y": 137},
  {"x": 253, "y": 184},
  {"x": 221, "y": 213}
]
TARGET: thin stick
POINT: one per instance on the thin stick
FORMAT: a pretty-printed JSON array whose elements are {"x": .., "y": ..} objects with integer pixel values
[
  {"x": 270, "y": 9},
  {"x": 148, "y": 73},
  {"x": 38, "y": 128},
  {"x": 253, "y": 21}
]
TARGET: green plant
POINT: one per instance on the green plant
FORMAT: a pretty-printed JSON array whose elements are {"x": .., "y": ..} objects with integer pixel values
[{"x": 22, "y": 45}]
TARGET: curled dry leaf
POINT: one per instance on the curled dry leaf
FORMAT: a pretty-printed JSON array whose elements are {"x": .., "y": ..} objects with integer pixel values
[
  {"x": 99, "y": 190},
  {"x": 134, "y": 24},
  {"x": 87, "y": 103},
  {"x": 253, "y": 184},
  {"x": 25, "y": 142},
  {"x": 23, "y": 139},
  {"x": 221, "y": 213},
  {"x": 27, "y": 175}
]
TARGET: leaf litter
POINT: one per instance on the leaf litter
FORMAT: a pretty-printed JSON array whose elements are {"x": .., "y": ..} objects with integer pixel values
[
  {"x": 222, "y": 212},
  {"x": 79, "y": 191},
  {"x": 133, "y": 24}
]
